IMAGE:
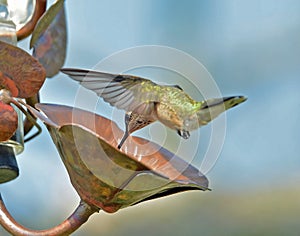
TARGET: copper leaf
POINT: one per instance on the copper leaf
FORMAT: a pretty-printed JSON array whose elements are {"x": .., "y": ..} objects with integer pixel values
[
  {"x": 23, "y": 72},
  {"x": 103, "y": 175},
  {"x": 49, "y": 39}
]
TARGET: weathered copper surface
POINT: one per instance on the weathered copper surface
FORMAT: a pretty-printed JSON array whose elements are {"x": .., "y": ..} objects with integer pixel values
[
  {"x": 23, "y": 74},
  {"x": 8, "y": 121},
  {"x": 105, "y": 176},
  {"x": 49, "y": 39},
  {"x": 77, "y": 218}
]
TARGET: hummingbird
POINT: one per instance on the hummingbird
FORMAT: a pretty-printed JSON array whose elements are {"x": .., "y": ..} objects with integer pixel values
[{"x": 146, "y": 102}]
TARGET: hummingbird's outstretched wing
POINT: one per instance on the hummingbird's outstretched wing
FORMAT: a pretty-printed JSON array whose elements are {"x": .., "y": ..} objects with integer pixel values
[
  {"x": 136, "y": 95},
  {"x": 127, "y": 92}
]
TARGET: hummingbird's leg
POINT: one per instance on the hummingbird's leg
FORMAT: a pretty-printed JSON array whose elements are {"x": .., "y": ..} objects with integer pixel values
[
  {"x": 126, "y": 134},
  {"x": 183, "y": 133}
]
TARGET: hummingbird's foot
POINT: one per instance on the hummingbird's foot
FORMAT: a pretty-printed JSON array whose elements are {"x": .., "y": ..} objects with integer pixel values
[{"x": 183, "y": 133}]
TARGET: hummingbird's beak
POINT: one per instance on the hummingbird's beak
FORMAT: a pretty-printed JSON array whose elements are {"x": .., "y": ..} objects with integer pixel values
[{"x": 126, "y": 134}]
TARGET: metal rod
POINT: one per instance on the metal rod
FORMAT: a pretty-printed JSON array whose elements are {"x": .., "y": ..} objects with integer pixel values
[
  {"x": 78, "y": 217},
  {"x": 27, "y": 29}
]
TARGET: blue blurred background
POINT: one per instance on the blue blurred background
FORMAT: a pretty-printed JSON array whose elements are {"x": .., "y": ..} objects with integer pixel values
[{"x": 250, "y": 48}]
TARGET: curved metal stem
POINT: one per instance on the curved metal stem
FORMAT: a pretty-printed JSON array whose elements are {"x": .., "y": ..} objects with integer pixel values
[
  {"x": 79, "y": 217},
  {"x": 27, "y": 29}
]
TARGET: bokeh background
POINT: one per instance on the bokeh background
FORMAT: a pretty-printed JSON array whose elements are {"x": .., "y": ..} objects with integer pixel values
[{"x": 250, "y": 48}]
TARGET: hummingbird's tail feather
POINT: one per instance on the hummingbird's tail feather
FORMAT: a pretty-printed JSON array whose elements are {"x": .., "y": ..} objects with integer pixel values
[
  {"x": 211, "y": 108},
  {"x": 230, "y": 102}
]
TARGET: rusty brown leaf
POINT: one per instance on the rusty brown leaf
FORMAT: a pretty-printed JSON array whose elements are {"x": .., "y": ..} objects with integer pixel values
[{"x": 26, "y": 73}]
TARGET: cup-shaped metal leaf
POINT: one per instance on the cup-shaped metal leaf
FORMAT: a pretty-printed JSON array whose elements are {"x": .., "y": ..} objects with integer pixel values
[
  {"x": 105, "y": 176},
  {"x": 23, "y": 74}
]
